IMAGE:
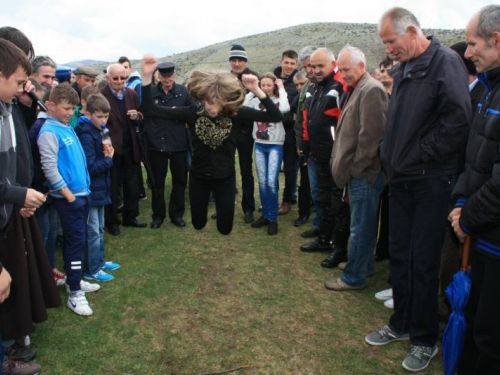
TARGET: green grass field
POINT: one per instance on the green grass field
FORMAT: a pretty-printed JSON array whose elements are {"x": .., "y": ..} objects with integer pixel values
[{"x": 197, "y": 302}]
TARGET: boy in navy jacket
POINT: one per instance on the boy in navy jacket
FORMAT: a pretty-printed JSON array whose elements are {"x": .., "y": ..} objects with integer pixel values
[{"x": 99, "y": 163}]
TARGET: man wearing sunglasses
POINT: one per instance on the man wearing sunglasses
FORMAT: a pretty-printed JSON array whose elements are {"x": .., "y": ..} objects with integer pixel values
[{"x": 123, "y": 124}]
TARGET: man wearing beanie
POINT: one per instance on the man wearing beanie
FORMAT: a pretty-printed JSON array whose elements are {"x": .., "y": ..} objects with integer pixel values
[{"x": 238, "y": 59}]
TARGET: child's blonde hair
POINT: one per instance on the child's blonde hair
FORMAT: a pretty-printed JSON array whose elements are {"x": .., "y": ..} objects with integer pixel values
[{"x": 221, "y": 88}]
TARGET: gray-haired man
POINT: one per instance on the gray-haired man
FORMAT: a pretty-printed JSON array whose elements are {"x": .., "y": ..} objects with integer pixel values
[
  {"x": 427, "y": 124},
  {"x": 43, "y": 71}
]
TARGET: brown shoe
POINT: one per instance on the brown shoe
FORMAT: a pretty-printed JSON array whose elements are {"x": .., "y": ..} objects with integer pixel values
[
  {"x": 284, "y": 209},
  {"x": 13, "y": 367},
  {"x": 340, "y": 286}
]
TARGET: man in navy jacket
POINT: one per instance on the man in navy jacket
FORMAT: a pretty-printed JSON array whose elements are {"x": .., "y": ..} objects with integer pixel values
[
  {"x": 427, "y": 124},
  {"x": 168, "y": 140}
]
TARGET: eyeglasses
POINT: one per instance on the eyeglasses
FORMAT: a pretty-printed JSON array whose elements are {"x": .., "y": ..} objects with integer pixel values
[{"x": 119, "y": 78}]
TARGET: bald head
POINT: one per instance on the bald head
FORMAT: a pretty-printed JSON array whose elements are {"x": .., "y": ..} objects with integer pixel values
[
  {"x": 324, "y": 53},
  {"x": 322, "y": 63},
  {"x": 115, "y": 69},
  {"x": 116, "y": 76}
]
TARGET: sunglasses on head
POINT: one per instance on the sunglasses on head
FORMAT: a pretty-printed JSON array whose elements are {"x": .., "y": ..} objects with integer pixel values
[{"x": 118, "y": 78}]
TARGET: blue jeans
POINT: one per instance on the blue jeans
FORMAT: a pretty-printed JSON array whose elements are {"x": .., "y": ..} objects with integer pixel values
[
  {"x": 268, "y": 159},
  {"x": 313, "y": 182},
  {"x": 93, "y": 254},
  {"x": 363, "y": 204},
  {"x": 48, "y": 222}
]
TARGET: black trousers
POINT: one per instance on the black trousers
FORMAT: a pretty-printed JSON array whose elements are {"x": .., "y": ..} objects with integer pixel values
[
  {"x": 335, "y": 221},
  {"x": 178, "y": 170},
  {"x": 125, "y": 170},
  {"x": 290, "y": 167},
  {"x": 418, "y": 211},
  {"x": 304, "y": 192},
  {"x": 244, "y": 144},
  {"x": 481, "y": 352},
  {"x": 224, "y": 193},
  {"x": 382, "y": 249}
]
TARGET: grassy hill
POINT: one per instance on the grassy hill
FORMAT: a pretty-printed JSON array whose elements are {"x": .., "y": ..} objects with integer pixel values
[{"x": 265, "y": 49}]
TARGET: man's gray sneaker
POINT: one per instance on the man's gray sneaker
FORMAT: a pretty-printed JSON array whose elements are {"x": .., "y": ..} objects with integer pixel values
[
  {"x": 384, "y": 336},
  {"x": 419, "y": 357}
]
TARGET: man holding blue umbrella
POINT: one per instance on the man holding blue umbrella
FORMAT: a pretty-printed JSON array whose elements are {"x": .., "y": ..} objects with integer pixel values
[{"x": 477, "y": 195}]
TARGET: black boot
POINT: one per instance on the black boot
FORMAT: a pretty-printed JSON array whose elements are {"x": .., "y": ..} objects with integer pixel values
[
  {"x": 272, "y": 228},
  {"x": 321, "y": 244},
  {"x": 260, "y": 222},
  {"x": 333, "y": 259}
]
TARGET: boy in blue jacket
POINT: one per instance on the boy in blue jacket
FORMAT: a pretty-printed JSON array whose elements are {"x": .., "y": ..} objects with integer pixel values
[
  {"x": 65, "y": 168},
  {"x": 99, "y": 163}
]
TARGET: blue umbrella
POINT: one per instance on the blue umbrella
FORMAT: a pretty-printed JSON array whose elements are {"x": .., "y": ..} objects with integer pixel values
[{"x": 458, "y": 294}]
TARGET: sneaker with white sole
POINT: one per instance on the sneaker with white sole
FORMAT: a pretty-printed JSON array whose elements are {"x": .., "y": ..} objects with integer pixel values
[
  {"x": 99, "y": 276},
  {"x": 111, "y": 266},
  {"x": 419, "y": 357},
  {"x": 384, "y": 295},
  {"x": 85, "y": 286},
  {"x": 389, "y": 304},
  {"x": 59, "y": 277},
  {"x": 384, "y": 336},
  {"x": 79, "y": 304}
]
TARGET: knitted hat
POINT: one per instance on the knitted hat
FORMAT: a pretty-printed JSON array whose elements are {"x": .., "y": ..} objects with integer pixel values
[
  {"x": 460, "y": 49},
  {"x": 238, "y": 52}
]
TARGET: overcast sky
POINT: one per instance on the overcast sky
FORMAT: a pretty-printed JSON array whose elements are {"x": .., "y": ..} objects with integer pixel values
[{"x": 105, "y": 30}]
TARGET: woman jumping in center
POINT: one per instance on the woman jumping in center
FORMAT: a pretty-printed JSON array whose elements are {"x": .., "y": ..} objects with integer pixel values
[
  {"x": 269, "y": 138},
  {"x": 220, "y": 98}
]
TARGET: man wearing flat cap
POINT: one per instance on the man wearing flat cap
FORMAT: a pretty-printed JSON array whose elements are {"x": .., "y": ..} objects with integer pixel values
[
  {"x": 85, "y": 76},
  {"x": 167, "y": 141}
]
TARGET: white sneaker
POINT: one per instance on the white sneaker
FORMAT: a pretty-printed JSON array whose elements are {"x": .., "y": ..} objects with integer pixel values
[
  {"x": 85, "y": 286},
  {"x": 79, "y": 304},
  {"x": 389, "y": 304},
  {"x": 384, "y": 295}
]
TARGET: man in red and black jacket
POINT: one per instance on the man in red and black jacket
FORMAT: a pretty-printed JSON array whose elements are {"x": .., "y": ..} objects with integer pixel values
[{"x": 320, "y": 119}]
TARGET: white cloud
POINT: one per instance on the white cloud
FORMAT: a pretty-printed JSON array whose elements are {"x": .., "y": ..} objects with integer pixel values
[{"x": 106, "y": 30}]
